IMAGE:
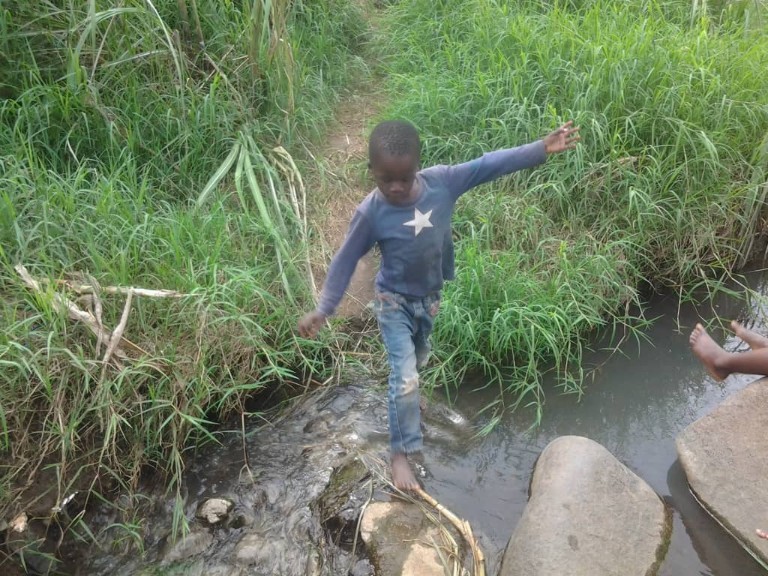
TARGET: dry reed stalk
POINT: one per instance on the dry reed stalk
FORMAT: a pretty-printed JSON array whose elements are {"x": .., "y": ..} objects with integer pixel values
[
  {"x": 117, "y": 335},
  {"x": 464, "y": 528},
  {"x": 92, "y": 289},
  {"x": 114, "y": 339}
]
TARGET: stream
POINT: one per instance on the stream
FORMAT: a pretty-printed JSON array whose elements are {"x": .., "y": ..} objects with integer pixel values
[{"x": 639, "y": 400}]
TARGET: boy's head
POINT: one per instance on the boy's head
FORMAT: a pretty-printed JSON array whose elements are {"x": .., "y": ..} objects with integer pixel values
[{"x": 394, "y": 151}]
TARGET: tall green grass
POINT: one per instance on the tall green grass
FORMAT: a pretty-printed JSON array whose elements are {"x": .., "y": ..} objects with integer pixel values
[
  {"x": 665, "y": 191},
  {"x": 151, "y": 144}
]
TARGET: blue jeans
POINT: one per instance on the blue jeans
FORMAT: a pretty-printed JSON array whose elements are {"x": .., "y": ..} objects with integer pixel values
[{"x": 405, "y": 326}]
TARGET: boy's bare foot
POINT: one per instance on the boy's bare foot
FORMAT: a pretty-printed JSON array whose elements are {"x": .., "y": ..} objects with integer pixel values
[
  {"x": 402, "y": 475},
  {"x": 762, "y": 533},
  {"x": 755, "y": 340},
  {"x": 708, "y": 351}
]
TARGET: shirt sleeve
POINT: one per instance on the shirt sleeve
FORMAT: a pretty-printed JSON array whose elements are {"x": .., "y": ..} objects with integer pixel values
[
  {"x": 358, "y": 242},
  {"x": 492, "y": 165}
]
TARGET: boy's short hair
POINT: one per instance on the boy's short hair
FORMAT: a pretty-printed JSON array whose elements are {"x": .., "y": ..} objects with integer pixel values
[{"x": 395, "y": 137}]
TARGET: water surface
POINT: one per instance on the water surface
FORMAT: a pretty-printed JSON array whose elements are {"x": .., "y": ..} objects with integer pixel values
[{"x": 637, "y": 404}]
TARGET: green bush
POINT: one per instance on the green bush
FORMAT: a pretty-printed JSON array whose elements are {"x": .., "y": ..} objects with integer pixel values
[
  {"x": 667, "y": 187},
  {"x": 147, "y": 144}
]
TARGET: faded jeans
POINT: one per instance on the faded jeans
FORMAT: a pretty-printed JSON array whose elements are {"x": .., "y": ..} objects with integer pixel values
[{"x": 405, "y": 326}]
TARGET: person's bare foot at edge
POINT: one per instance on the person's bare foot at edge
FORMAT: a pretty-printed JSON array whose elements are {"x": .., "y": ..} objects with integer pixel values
[
  {"x": 402, "y": 475},
  {"x": 762, "y": 534},
  {"x": 755, "y": 340},
  {"x": 708, "y": 351}
]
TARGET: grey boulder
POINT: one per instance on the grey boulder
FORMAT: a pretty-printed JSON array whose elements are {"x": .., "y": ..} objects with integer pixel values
[
  {"x": 588, "y": 515},
  {"x": 725, "y": 458}
]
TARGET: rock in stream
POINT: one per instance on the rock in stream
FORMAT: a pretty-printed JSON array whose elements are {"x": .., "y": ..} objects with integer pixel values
[
  {"x": 285, "y": 499},
  {"x": 725, "y": 458},
  {"x": 588, "y": 515}
]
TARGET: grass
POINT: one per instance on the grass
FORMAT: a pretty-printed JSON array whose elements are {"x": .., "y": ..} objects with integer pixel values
[
  {"x": 147, "y": 144},
  {"x": 666, "y": 190},
  {"x": 162, "y": 146}
]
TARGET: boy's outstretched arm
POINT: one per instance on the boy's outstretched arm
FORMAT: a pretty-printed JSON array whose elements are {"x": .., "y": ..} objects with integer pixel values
[
  {"x": 358, "y": 242},
  {"x": 492, "y": 165},
  {"x": 564, "y": 138}
]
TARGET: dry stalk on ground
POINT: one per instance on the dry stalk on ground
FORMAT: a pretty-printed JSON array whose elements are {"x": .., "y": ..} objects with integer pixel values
[
  {"x": 377, "y": 468},
  {"x": 117, "y": 345},
  {"x": 464, "y": 528}
]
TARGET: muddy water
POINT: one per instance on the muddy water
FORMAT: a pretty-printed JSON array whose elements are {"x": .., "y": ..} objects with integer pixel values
[{"x": 637, "y": 403}]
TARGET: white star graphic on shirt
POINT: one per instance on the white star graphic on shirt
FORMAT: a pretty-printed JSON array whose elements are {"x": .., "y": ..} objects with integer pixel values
[{"x": 420, "y": 221}]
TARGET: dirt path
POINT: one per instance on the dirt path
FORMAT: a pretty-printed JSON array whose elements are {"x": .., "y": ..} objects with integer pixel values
[{"x": 343, "y": 183}]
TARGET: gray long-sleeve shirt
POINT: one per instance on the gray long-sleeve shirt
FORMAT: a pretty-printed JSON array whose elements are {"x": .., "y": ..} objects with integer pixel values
[{"x": 415, "y": 240}]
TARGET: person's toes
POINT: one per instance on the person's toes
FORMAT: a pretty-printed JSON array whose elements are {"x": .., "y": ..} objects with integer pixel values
[
  {"x": 755, "y": 340},
  {"x": 707, "y": 351},
  {"x": 402, "y": 475},
  {"x": 695, "y": 334}
]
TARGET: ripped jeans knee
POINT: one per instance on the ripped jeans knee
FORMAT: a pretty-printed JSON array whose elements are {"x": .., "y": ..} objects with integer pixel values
[
  {"x": 405, "y": 328},
  {"x": 404, "y": 415}
]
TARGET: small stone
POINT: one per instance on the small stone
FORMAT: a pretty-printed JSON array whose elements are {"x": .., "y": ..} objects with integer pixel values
[
  {"x": 19, "y": 523},
  {"x": 192, "y": 544},
  {"x": 214, "y": 510}
]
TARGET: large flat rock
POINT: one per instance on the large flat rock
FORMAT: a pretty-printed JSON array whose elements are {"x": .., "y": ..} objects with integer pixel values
[
  {"x": 725, "y": 458},
  {"x": 588, "y": 515},
  {"x": 400, "y": 540}
]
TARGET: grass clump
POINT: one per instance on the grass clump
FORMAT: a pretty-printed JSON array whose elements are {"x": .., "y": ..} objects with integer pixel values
[
  {"x": 667, "y": 189},
  {"x": 150, "y": 144}
]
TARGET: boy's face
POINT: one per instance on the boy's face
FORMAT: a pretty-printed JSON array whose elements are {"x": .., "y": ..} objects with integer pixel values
[{"x": 395, "y": 176}]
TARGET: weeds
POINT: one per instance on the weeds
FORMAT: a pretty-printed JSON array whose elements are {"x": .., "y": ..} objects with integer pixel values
[
  {"x": 665, "y": 191},
  {"x": 114, "y": 118}
]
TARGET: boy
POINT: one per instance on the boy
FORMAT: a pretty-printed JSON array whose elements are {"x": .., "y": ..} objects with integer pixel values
[{"x": 408, "y": 215}]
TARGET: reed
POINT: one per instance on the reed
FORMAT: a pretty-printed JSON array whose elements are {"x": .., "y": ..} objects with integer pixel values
[
  {"x": 151, "y": 145},
  {"x": 665, "y": 192}
]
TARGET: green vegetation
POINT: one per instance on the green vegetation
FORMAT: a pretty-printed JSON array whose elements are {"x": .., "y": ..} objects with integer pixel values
[
  {"x": 162, "y": 145},
  {"x": 665, "y": 191},
  {"x": 144, "y": 144}
]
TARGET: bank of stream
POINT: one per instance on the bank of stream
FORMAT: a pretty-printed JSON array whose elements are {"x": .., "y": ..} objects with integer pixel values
[{"x": 277, "y": 475}]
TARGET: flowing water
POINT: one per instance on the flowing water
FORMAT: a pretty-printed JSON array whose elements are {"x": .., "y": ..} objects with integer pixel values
[{"x": 638, "y": 402}]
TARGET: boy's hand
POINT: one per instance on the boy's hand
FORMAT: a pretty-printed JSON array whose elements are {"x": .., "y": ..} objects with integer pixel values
[
  {"x": 311, "y": 323},
  {"x": 562, "y": 139}
]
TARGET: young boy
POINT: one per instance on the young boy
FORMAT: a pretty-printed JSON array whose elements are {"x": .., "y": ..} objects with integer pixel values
[{"x": 408, "y": 215}]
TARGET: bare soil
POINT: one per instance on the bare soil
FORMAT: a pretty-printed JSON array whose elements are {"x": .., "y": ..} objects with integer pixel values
[{"x": 342, "y": 182}]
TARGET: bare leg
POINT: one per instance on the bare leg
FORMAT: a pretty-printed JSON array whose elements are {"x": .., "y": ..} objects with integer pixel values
[
  {"x": 402, "y": 475},
  {"x": 708, "y": 351},
  {"x": 720, "y": 363},
  {"x": 755, "y": 340}
]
